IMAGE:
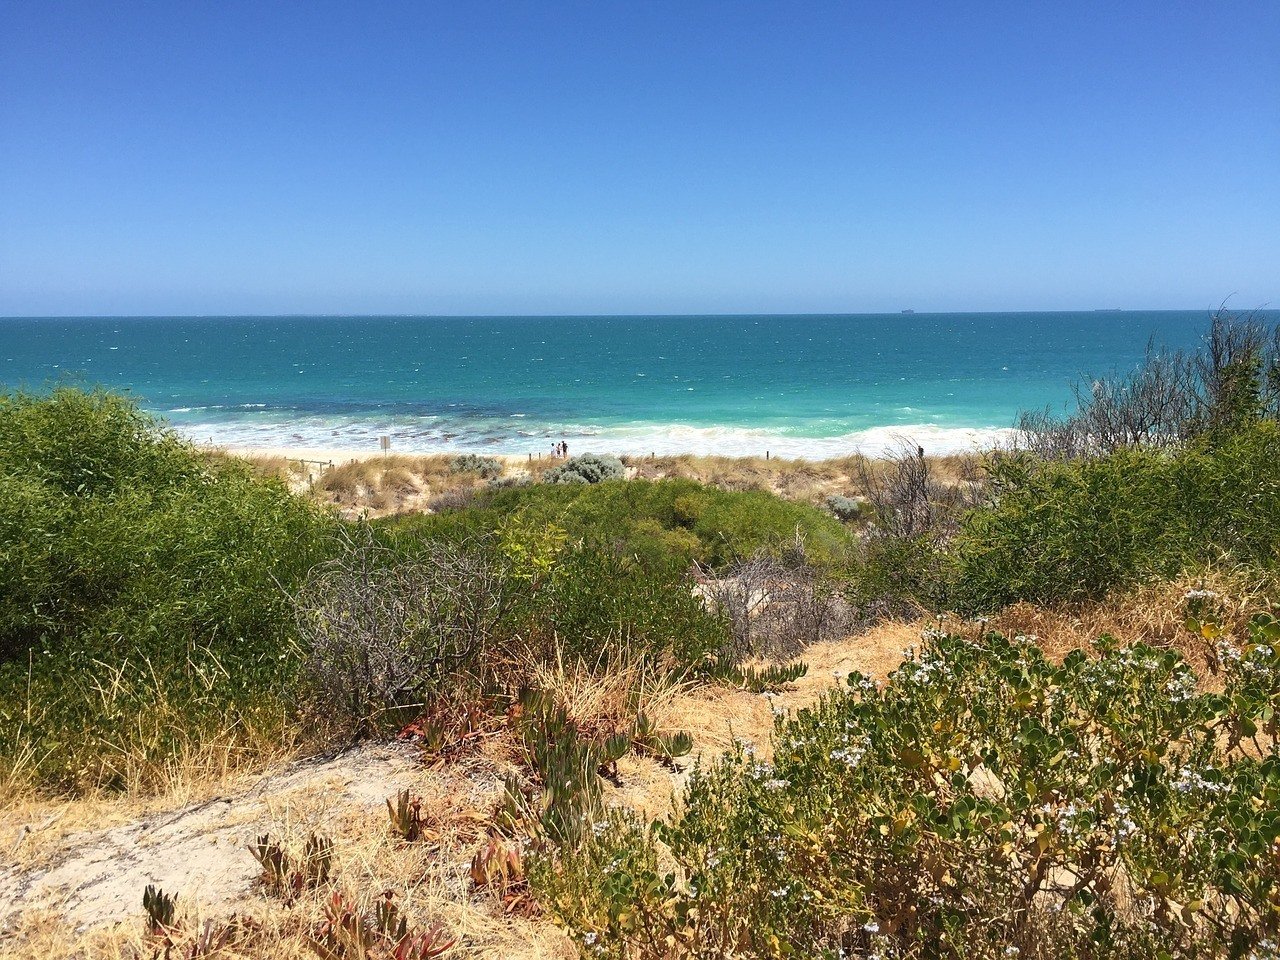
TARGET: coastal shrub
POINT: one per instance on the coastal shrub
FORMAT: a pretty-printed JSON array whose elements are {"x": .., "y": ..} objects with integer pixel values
[
  {"x": 457, "y": 499},
  {"x": 1231, "y": 381},
  {"x": 587, "y": 468},
  {"x": 382, "y": 633},
  {"x": 1072, "y": 530},
  {"x": 845, "y": 508},
  {"x": 775, "y": 609},
  {"x": 674, "y": 522},
  {"x": 89, "y": 443},
  {"x": 984, "y": 803},
  {"x": 598, "y": 605},
  {"x": 911, "y": 515},
  {"x": 520, "y": 478},
  {"x": 487, "y": 467},
  {"x": 142, "y": 582},
  {"x": 395, "y": 626}
]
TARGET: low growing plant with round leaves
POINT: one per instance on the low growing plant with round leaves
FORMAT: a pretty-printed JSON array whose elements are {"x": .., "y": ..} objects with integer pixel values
[{"x": 986, "y": 802}]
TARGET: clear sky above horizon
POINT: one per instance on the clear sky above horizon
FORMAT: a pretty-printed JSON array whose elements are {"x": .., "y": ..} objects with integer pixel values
[{"x": 658, "y": 156}]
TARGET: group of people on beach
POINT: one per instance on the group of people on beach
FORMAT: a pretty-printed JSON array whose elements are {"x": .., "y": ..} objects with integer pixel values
[{"x": 560, "y": 450}]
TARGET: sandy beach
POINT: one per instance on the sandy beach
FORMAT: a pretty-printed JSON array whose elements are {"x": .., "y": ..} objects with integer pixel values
[{"x": 337, "y": 456}]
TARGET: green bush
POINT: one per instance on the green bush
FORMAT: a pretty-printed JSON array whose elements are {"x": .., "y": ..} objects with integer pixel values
[
  {"x": 654, "y": 523},
  {"x": 398, "y": 620},
  {"x": 1070, "y": 530},
  {"x": 139, "y": 577},
  {"x": 985, "y": 803},
  {"x": 597, "y": 605}
]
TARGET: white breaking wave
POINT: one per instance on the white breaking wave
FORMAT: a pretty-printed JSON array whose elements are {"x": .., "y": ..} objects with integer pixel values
[
  {"x": 429, "y": 435},
  {"x": 752, "y": 442}
]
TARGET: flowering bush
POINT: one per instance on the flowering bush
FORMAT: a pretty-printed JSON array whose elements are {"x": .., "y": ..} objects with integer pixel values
[{"x": 984, "y": 803}]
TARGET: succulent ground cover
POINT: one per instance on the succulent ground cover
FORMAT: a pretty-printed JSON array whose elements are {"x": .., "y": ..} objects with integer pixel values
[{"x": 984, "y": 801}]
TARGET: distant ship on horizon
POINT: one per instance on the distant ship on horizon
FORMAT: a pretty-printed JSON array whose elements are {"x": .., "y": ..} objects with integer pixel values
[{"x": 908, "y": 310}]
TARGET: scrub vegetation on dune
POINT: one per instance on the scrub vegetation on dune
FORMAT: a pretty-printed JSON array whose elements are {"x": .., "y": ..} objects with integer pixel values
[{"x": 673, "y": 707}]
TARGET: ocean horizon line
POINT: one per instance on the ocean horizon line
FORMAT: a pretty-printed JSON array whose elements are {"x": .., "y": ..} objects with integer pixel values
[{"x": 629, "y": 315}]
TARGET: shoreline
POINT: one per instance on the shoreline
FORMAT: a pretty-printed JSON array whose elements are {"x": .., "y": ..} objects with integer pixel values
[{"x": 727, "y": 443}]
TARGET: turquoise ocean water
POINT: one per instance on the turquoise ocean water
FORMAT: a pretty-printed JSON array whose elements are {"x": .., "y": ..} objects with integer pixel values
[{"x": 811, "y": 386}]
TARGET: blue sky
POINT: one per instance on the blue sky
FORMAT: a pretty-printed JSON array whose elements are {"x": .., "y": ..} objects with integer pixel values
[{"x": 652, "y": 156}]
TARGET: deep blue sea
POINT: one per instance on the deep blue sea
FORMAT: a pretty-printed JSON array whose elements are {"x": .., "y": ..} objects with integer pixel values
[{"x": 813, "y": 386}]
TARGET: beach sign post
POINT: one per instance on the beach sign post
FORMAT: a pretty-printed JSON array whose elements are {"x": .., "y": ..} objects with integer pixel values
[{"x": 385, "y": 444}]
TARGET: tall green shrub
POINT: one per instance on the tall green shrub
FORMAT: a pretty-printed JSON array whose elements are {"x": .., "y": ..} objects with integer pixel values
[
  {"x": 135, "y": 573},
  {"x": 1071, "y": 530}
]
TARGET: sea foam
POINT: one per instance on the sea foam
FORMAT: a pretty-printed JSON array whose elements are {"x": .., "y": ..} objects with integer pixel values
[{"x": 430, "y": 436}]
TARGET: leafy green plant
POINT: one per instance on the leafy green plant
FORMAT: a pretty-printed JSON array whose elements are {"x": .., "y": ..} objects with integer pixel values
[
  {"x": 1073, "y": 530},
  {"x": 652, "y": 742},
  {"x": 663, "y": 523},
  {"x": 161, "y": 909},
  {"x": 983, "y": 803},
  {"x": 587, "y": 468},
  {"x": 568, "y": 765},
  {"x": 760, "y": 679},
  {"x": 1251, "y": 709},
  {"x": 406, "y": 816},
  {"x": 615, "y": 747},
  {"x": 846, "y": 508},
  {"x": 287, "y": 877},
  {"x": 142, "y": 608},
  {"x": 348, "y": 934}
]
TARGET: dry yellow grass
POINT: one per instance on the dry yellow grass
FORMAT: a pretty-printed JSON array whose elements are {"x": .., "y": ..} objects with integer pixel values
[
  {"x": 809, "y": 481},
  {"x": 159, "y": 751},
  {"x": 430, "y": 879},
  {"x": 609, "y": 696},
  {"x": 1154, "y": 614},
  {"x": 385, "y": 485}
]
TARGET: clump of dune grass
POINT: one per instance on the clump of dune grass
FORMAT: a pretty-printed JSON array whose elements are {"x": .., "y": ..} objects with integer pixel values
[
  {"x": 149, "y": 729},
  {"x": 808, "y": 481},
  {"x": 1152, "y": 613},
  {"x": 381, "y": 486},
  {"x": 608, "y": 694}
]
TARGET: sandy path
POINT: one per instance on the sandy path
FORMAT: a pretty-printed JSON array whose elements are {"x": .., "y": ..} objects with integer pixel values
[{"x": 201, "y": 850}]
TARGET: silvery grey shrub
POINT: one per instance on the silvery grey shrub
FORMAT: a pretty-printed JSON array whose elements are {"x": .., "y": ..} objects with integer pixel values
[{"x": 587, "y": 468}]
